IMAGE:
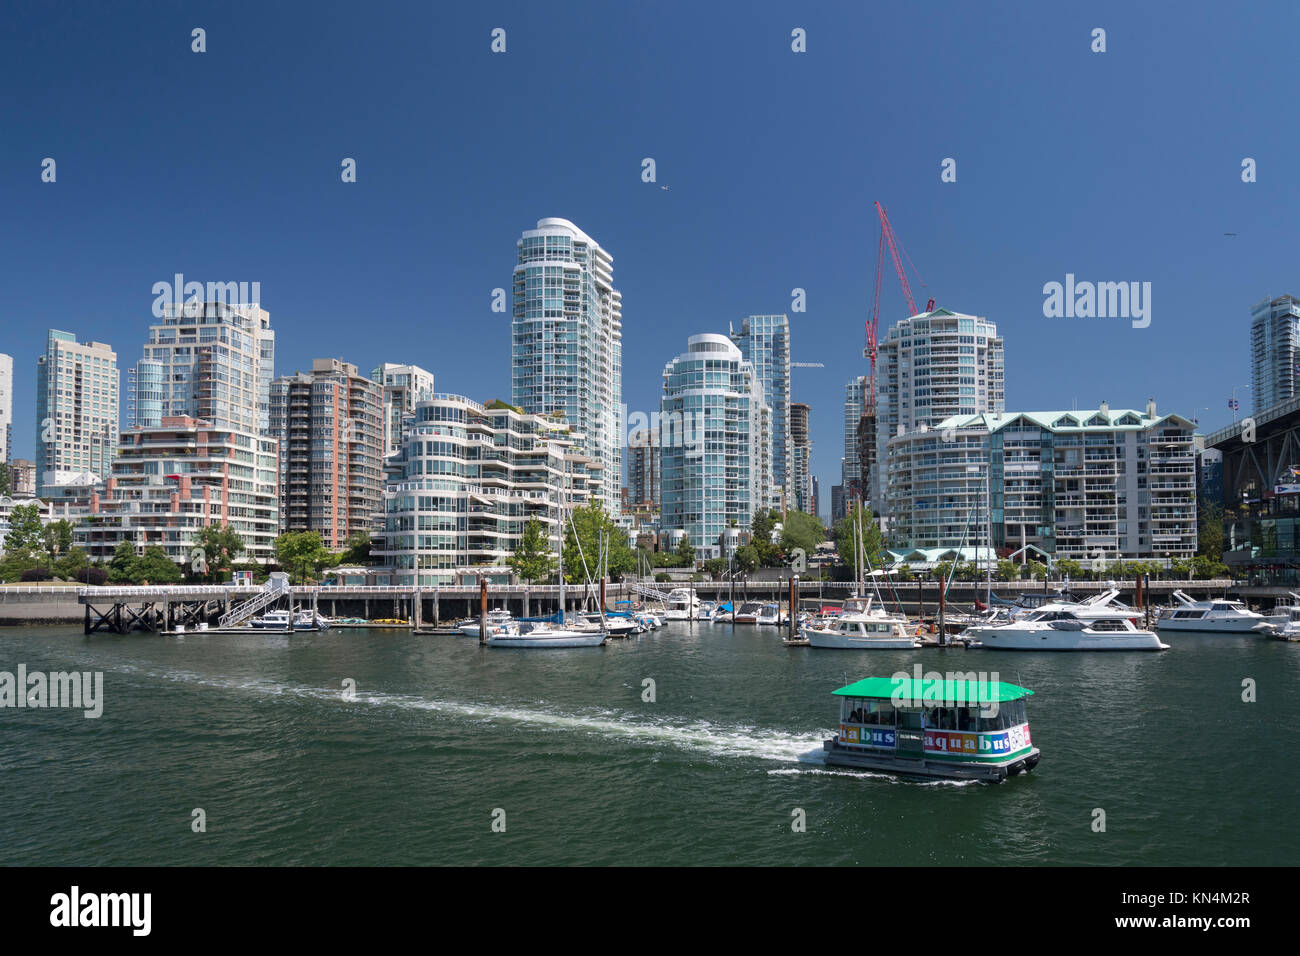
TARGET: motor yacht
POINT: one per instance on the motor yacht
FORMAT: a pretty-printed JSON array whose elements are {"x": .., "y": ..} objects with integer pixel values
[
  {"x": 1056, "y": 628},
  {"x": 1221, "y": 616}
]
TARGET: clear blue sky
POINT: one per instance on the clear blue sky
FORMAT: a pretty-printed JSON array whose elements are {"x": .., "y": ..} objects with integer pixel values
[{"x": 224, "y": 166}]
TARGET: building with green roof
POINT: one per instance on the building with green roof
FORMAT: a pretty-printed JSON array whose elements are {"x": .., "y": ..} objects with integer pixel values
[{"x": 1095, "y": 485}]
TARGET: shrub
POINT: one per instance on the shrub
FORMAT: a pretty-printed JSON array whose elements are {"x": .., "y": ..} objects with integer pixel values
[{"x": 36, "y": 574}]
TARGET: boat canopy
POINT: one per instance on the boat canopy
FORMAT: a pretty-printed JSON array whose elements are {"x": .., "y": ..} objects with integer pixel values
[{"x": 973, "y": 691}]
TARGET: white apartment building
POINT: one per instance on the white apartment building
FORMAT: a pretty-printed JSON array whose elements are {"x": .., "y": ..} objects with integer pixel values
[
  {"x": 715, "y": 444},
  {"x": 931, "y": 367},
  {"x": 76, "y": 409},
  {"x": 1102, "y": 484},
  {"x": 404, "y": 386},
  {"x": 567, "y": 341},
  {"x": 466, "y": 482}
]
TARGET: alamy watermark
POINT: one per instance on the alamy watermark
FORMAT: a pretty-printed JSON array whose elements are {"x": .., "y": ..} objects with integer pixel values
[
  {"x": 953, "y": 689},
  {"x": 83, "y": 690},
  {"x": 187, "y": 298},
  {"x": 1101, "y": 300}
]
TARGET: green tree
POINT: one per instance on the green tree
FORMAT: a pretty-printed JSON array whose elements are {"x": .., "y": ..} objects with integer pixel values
[
  {"x": 122, "y": 566},
  {"x": 1209, "y": 529},
  {"x": 1007, "y": 571},
  {"x": 800, "y": 530},
  {"x": 533, "y": 560},
  {"x": 71, "y": 566},
  {"x": 845, "y": 544},
  {"x": 1070, "y": 568},
  {"x": 5, "y": 479},
  {"x": 155, "y": 567},
  {"x": 748, "y": 558},
  {"x": 715, "y": 567},
  {"x": 56, "y": 539},
  {"x": 592, "y": 524},
  {"x": 761, "y": 529},
  {"x": 1037, "y": 570},
  {"x": 301, "y": 554},
  {"x": 220, "y": 546},
  {"x": 26, "y": 532},
  {"x": 356, "y": 550},
  {"x": 686, "y": 552}
]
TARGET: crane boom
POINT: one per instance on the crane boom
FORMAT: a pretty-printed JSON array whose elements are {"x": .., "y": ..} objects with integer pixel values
[{"x": 890, "y": 239}]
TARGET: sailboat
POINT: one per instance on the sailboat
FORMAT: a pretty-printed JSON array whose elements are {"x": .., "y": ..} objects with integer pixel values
[{"x": 540, "y": 634}]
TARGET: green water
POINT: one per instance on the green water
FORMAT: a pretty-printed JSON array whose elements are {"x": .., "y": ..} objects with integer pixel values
[{"x": 255, "y": 731}]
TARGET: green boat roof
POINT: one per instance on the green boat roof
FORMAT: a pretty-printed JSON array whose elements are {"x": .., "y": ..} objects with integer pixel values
[{"x": 938, "y": 690}]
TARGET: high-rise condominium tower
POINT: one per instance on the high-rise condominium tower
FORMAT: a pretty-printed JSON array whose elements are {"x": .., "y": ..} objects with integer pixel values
[
  {"x": 930, "y": 367},
  {"x": 715, "y": 439},
  {"x": 76, "y": 409},
  {"x": 208, "y": 361},
  {"x": 1274, "y": 351},
  {"x": 329, "y": 424},
  {"x": 764, "y": 341},
  {"x": 567, "y": 349}
]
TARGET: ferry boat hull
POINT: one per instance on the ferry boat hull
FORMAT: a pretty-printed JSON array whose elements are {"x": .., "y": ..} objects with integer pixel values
[{"x": 990, "y": 772}]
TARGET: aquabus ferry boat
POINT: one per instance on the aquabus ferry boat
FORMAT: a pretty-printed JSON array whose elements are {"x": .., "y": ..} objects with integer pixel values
[{"x": 933, "y": 728}]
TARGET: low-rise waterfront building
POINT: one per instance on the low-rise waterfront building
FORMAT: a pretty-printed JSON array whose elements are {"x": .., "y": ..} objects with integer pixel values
[
  {"x": 175, "y": 478},
  {"x": 1098, "y": 484},
  {"x": 466, "y": 482}
]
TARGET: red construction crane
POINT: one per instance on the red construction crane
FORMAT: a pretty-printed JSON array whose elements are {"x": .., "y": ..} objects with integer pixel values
[{"x": 888, "y": 237}]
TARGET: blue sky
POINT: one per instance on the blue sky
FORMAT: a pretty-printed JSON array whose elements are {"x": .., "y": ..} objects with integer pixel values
[{"x": 224, "y": 166}]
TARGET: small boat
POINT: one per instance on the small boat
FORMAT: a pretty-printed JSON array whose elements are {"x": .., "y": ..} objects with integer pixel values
[
  {"x": 682, "y": 605},
  {"x": 973, "y": 730},
  {"x": 860, "y": 632},
  {"x": 772, "y": 614},
  {"x": 722, "y": 614},
  {"x": 279, "y": 621},
  {"x": 541, "y": 635},
  {"x": 389, "y": 622},
  {"x": 495, "y": 618},
  {"x": 1290, "y": 631},
  {"x": 1222, "y": 616},
  {"x": 748, "y": 612}
]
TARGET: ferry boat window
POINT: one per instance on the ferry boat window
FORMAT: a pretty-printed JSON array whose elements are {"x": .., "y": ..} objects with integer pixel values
[
  {"x": 881, "y": 713},
  {"x": 965, "y": 718}
]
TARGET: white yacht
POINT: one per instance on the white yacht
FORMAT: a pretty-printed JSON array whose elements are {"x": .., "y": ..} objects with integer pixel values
[
  {"x": 1221, "y": 616},
  {"x": 683, "y": 605},
  {"x": 1290, "y": 631},
  {"x": 1058, "y": 628},
  {"x": 772, "y": 614},
  {"x": 867, "y": 607},
  {"x": 860, "y": 632},
  {"x": 496, "y": 618},
  {"x": 302, "y": 621},
  {"x": 540, "y": 635}
]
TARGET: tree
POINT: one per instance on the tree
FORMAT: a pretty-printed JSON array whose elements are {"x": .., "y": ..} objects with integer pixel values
[
  {"x": 5, "y": 479},
  {"x": 122, "y": 566},
  {"x": 761, "y": 530},
  {"x": 155, "y": 567},
  {"x": 1007, "y": 571},
  {"x": 1070, "y": 568},
  {"x": 56, "y": 539},
  {"x": 301, "y": 554},
  {"x": 533, "y": 560},
  {"x": 25, "y": 529},
  {"x": 845, "y": 544},
  {"x": 592, "y": 526},
  {"x": 72, "y": 566},
  {"x": 747, "y": 558},
  {"x": 801, "y": 530},
  {"x": 1209, "y": 530},
  {"x": 1037, "y": 570},
  {"x": 715, "y": 567},
  {"x": 686, "y": 552},
  {"x": 220, "y": 545},
  {"x": 356, "y": 550}
]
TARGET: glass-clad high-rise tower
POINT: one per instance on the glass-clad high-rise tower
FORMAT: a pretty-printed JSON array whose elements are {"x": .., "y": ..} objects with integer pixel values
[
  {"x": 764, "y": 341},
  {"x": 1275, "y": 351},
  {"x": 567, "y": 342}
]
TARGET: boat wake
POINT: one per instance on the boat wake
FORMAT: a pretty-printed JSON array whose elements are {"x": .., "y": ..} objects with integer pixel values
[
  {"x": 732, "y": 740},
  {"x": 869, "y": 775}
]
